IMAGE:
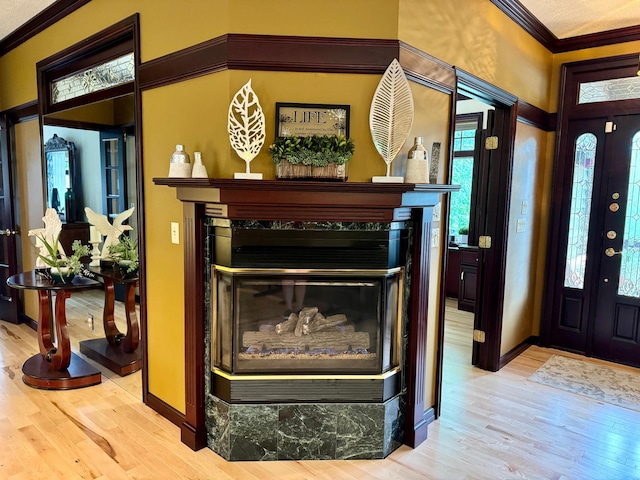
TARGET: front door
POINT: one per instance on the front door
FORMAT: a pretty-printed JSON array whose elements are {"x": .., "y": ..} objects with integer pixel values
[
  {"x": 9, "y": 299},
  {"x": 597, "y": 307}
]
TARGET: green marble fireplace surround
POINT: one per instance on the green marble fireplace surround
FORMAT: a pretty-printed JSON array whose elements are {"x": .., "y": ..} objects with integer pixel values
[{"x": 291, "y": 427}]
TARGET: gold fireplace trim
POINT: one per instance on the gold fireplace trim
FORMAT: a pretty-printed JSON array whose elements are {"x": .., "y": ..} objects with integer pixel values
[
  {"x": 308, "y": 271},
  {"x": 380, "y": 376}
]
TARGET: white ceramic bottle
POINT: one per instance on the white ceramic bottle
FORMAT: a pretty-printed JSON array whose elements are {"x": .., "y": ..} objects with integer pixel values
[
  {"x": 180, "y": 166},
  {"x": 199, "y": 169},
  {"x": 417, "y": 163}
]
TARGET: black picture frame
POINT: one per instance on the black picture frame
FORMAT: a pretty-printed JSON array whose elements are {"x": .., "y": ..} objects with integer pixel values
[{"x": 307, "y": 119}]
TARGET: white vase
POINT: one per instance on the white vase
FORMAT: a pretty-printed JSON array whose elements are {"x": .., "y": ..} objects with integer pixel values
[
  {"x": 180, "y": 167},
  {"x": 198, "y": 170}
]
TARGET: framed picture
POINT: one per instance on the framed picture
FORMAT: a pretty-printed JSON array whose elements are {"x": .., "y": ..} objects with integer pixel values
[{"x": 306, "y": 119}]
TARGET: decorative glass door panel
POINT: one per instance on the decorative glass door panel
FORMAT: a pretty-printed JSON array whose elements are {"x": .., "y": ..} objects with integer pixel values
[{"x": 597, "y": 311}]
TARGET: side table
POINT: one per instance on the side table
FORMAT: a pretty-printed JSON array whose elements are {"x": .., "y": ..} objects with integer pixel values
[
  {"x": 55, "y": 367},
  {"x": 117, "y": 351}
]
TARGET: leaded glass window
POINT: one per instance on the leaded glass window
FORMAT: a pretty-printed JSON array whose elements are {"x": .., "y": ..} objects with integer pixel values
[
  {"x": 609, "y": 90},
  {"x": 107, "y": 75},
  {"x": 580, "y": 213},
  {"x": 629, "y": 284}
]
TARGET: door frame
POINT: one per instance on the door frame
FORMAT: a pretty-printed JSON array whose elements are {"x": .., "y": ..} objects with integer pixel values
[
  {"x": 492, "y": 261},
  {"x": 10, "y": 215},
  {"x": 572, "y": 74}
]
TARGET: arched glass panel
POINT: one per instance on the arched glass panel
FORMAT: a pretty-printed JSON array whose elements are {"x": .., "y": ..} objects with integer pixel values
[
  {"x": 629, "y": 284},
  {"x": 581, "y": 193}
]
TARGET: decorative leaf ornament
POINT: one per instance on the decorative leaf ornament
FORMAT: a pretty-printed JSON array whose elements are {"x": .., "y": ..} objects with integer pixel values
[
  {"x": 391, "y": 114},
  {"x": 246, "y": 124}
]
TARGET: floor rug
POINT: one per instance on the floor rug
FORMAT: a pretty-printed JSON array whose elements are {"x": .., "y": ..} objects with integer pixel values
[{"x": 600, "y": 382}]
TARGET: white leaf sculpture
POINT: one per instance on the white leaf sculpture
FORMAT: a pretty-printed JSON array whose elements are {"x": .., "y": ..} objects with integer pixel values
[
  {"x": 391, "y": 114},
  {"x": 51, "y": 232},
  {"x": 246, "y": 124},
  {"x": 111, "y": 232}
]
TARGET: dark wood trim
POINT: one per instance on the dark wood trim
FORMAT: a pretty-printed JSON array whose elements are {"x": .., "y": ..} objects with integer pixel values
[
  {"x": 517, "y": 350},
  {"x": 536, "y": 117},
  {"x": 164, "y": 409},
  {"x": 193, "y": 428},
  {"x": 483, "y": 91},
  {"x": 63, "y": 122},
  {"x": 30, "y": 322},
  {"x": 415, "y": 427},
  {"x": 427, "y": 70},
  {"x": 48, "y": 17},
  {"x": 22, "y": 113},
  {"x": 529, "y": 23},
  {"x": 106, "y": 44},
  {"x": 295, "y": 54},
  {"x": 610, "y": 37}
]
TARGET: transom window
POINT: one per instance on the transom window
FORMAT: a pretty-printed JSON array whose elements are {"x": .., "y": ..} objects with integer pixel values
[{"x": 609, "y": 90}]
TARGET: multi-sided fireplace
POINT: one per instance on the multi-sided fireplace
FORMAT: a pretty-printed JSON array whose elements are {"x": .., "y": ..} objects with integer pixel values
[
  {"x": 306, "y": 313},
  {"x": 358, "y": 260}
]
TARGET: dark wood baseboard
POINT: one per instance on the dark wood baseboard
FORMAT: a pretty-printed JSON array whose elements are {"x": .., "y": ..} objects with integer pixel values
[
  {"x": 164, "y": 409},
  {"x": 514, "y": 352},
  {"x": 194, "y": 438},
  {"x": 27, "y": 320},
  {"x": 420, "y": 430}
]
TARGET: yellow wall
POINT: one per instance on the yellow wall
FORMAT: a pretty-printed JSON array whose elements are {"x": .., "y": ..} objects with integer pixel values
[
  {"x": 478, "y": 38},
  {"x": 30, "y": 199},
  {"x": 524, "y": 243}
]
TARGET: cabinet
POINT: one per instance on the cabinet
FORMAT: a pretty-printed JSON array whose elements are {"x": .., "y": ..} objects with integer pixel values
[{"x": 468, "y": 278}]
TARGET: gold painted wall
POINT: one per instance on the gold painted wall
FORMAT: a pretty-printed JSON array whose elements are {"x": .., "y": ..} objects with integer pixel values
[
  {"x": 478, "y": 38},
  {"x": 524, "y": 234},
  {"x": 30, "y": 189}
]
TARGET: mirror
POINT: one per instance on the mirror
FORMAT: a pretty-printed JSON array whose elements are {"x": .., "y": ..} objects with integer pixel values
[{"x": 60, "y": 157}]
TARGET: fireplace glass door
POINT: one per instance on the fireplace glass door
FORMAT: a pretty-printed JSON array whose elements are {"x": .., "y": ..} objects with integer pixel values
[{"x": 305, "y": 322}]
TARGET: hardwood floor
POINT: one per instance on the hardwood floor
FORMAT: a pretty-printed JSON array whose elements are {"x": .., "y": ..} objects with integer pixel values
[{"x": 494, "y": 426}]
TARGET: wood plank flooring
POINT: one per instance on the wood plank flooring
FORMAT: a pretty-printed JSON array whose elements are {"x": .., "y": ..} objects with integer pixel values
[{"x": 494, "y": 426}]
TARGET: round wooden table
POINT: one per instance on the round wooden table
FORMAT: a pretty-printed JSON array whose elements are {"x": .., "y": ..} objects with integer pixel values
[
  {"x": 117, "y": 351},
  {"x": 55, "y": 367}
]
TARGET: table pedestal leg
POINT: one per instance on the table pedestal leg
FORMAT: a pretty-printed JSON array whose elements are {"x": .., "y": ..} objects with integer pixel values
[
  {"x": 55, "y": 367},
  {"x": 117, "y": 351}
]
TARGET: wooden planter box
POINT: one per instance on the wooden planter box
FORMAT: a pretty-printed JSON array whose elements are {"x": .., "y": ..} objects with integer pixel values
[{"x": 332, "y": 172}]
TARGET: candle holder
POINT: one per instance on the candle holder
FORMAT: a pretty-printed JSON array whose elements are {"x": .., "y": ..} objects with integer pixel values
[{"x": 95, "y": 254}]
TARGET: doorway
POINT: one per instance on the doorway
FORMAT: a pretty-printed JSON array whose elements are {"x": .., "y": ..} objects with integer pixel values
[{"x": 599, "y": 271}]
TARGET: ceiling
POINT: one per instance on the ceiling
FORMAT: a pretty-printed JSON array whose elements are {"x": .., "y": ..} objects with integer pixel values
[{"x": 564, "y": 18}]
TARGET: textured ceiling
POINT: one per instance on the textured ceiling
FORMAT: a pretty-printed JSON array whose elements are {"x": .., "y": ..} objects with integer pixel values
[
  {"x": 15, "y": 13},
  {"x": 564, "y": 18},
  {"x": 571, "y": 18}
]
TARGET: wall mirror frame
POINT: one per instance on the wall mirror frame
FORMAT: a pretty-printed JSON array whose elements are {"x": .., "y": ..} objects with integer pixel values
[{"x": 112, "y": 43}]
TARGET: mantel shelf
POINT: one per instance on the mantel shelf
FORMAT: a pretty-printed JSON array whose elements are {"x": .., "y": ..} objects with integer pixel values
[{"x": 306, "y": 200}]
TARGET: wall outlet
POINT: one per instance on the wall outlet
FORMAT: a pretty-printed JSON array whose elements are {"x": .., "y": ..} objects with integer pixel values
[
  {"x": 175, "y": 232},
  {"x": 521, "y": 225},
  {"x": 524, "y": 208}
]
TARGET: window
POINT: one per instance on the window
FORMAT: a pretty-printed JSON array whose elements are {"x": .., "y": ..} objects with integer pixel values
[
  {"x": 464, "y": 146},
  {"x": 609, "y": 90}
]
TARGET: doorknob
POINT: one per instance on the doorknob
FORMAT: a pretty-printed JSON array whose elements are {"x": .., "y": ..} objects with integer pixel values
[
  {"x": 8, "y": 232},
  {"x": 610, "y": 252}
]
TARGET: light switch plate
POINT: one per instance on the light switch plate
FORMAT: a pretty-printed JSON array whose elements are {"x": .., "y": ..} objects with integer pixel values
[
  {"x": 521, "y": 225},
  {"x": 175, "y": 232}
]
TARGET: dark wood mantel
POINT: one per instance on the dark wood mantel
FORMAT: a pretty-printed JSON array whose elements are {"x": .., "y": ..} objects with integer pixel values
[{"x": 304, "y": 201}]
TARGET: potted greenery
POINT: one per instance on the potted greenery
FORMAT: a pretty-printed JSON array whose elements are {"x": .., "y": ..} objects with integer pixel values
[
  {"x": 463, "y": 232},
  {"x": 317, "y": 157},
  {"x": 125, "y": 252},
  {"x": 63, "y": 268}
]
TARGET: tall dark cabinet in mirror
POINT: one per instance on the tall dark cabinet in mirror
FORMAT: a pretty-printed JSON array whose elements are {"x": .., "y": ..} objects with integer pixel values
[{"x": 62, "y": 179}]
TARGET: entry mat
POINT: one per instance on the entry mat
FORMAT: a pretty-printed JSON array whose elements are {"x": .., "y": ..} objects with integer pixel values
[{"x": 600, "y": 382}]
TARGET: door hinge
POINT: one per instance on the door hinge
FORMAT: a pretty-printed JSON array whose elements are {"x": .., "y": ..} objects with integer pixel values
[
  {"x": 478, "y": 336},
  {"x": 484, "y": 241},
  {"x": 491, "y": 143},
  {"x": 610, "y": 127}
]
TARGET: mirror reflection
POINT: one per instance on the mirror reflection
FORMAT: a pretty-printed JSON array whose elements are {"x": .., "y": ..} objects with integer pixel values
[{"x": 60, "y": 168}]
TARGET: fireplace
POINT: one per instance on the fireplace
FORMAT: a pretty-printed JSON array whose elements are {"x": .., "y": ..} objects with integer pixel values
[
  {"x": 324, "y": 334},
  {"x": 361, "y": 253}
]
